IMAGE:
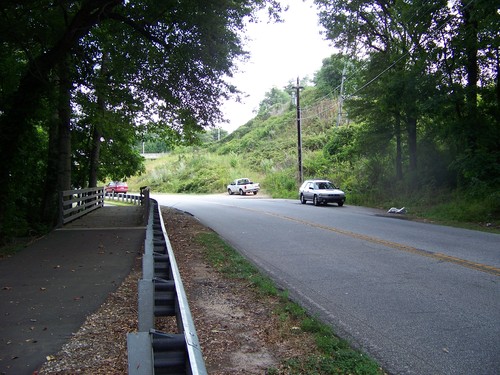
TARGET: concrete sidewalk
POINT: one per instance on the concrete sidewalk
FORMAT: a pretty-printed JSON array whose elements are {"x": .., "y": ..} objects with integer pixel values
[{"x": 50, "y": 287}]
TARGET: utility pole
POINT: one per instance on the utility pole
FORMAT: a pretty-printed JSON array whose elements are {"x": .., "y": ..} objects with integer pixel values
[
  {"x": 299, "y": 135},
  {"x": 341, "y": 96}
]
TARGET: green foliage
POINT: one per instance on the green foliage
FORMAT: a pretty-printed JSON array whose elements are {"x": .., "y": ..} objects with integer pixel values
[
  {"x": 358, "y": 160},
  {"x": 479, "y": 206},
  {"x": 153, "y": 143},
  {"x": 341, "y": 143},
  {"x": 328, "y": 80},
  {"x": 230, "y": 263},
  {"x": 316, "y": 165},
  {"x": 294, "y": 310},
  {"x": 109, "y": 72},
  {"x": 275, "y": 102},
  {"x": 25, "y": 210},
  {"x": 193, "y": 170},
  {"x": 212, "y": 135},
  {"x": 281, "y": 184},
  {"x": 400, "y": 102}
]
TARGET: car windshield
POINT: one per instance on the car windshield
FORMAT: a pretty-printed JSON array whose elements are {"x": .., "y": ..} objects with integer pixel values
[{"x": 325, "y": 185}]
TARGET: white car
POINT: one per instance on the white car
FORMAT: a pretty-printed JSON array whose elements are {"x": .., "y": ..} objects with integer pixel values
[{"x": 320, "y": 192}]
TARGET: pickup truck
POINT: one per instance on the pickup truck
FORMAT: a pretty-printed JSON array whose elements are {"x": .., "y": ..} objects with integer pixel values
[{"x": 243, "y": 186}]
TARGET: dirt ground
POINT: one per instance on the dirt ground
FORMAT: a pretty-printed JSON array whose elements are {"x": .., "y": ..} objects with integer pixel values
[{"x": 238, "y": 329}]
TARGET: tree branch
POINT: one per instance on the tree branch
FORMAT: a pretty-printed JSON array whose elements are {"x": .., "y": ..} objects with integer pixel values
[{"x": 141, "y": 30}]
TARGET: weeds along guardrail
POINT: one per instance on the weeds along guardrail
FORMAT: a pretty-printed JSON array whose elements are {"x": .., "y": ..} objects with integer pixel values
[{"x": 161, "y": 294}]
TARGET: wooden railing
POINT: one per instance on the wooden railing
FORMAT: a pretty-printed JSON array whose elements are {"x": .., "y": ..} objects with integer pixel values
[{"x": 76, "y": 203}]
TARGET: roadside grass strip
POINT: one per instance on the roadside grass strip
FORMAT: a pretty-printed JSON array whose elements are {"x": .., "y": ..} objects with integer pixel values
[{"x": 332, "y": 354}]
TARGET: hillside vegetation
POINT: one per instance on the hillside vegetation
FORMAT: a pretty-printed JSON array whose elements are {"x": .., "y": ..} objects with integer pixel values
[{"x": 265, "y": 150}]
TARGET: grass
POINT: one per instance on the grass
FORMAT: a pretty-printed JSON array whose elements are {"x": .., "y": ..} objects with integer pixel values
[
  {"x": 193, "y": 171},
  {"x": 11, "y": 249},
  {"x": 333, "y": 355},
  {"x": 458, "y": 209},
  {"x": 117, "y": 203}
]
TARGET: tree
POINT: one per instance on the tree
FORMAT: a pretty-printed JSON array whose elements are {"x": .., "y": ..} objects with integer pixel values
[
  {"x": 274, "y": 101},
  {"x": 442, "y": 60},
  {"x": 328, "y": 79},
  {"x": 393, "y": 37},
  {"x": 167, "y": 64},
  {"x": 469, "y": 55}
]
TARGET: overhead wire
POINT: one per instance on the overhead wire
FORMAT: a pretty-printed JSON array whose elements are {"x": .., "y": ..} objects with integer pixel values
[{"x": 411, "y": 50}]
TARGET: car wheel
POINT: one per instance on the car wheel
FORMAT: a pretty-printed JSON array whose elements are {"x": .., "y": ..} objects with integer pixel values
[
  {"x": 302, "y": 199},
  {"x": 341, "y": 204},
  {"x": 254, "y": 193},
  {"x": 229, "y": 191},
  {"x": 315, "y": 200},
  {"x": 242, "y": 192}
]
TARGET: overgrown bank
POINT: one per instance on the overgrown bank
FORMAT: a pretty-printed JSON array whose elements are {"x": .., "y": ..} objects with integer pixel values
[
  {"x": 366, "y": 158},
  {"x": 203, "y": 171}
]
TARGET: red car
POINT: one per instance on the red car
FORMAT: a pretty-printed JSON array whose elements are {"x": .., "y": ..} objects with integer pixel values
[{"x": 116, "y": 187}]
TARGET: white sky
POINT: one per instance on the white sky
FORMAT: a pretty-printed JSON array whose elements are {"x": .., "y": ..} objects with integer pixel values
[{"x": 279, "y": 53}]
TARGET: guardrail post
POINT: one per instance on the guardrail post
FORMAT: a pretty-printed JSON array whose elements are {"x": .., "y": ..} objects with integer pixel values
[
  {"x": 146, "y": 305},
  {"x": 140, "y": 353}
]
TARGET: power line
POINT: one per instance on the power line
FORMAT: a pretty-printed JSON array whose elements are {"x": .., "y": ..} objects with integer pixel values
[
  {"x": 411, "y": 50},
  {"x": 381, "y": 73}
]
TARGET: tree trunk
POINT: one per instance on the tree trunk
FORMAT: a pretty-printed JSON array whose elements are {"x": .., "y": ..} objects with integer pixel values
[
  {"x": 498, "y": 82},
  {"x": 96, "y": 132},
  {"x": 64, "y": 110},
  {"x": 399, "y": 153},
  {"x": 15, "y": 121},
  {"x": 412, "y": 143},
  {"x": 50, "y": 196},
  {"x": 472, "y": 71},
  {"x": 94, "y": 156}
]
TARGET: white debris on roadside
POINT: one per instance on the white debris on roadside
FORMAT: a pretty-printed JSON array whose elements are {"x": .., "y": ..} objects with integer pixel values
[{"x": 394, "y": 210}]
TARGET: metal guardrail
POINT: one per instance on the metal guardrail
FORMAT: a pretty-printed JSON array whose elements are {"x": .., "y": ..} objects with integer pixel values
[
  {"x": 76, "y": 203},
  {"x": 161, "y": 293},
  {"x": 124, "y": 197}
]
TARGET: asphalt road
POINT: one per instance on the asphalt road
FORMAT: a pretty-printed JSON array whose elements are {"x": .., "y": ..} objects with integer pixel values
[{"x": 419, "y": 298}]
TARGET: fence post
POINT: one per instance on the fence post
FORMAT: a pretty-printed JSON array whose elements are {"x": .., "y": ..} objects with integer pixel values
[{"x": 144, "y": 190}]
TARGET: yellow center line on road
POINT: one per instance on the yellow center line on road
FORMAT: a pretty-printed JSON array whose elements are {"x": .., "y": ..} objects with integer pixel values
[{"x": 409, "y": 249}]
